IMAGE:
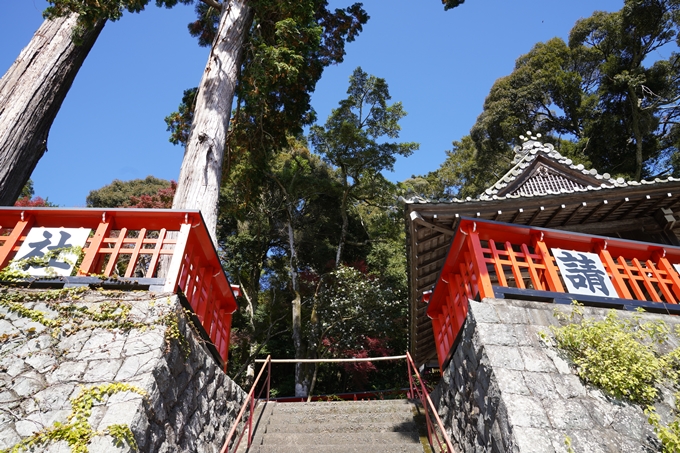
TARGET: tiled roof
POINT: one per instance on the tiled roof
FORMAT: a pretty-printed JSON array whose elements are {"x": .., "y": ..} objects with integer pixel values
[{"x": 540, "y": 170}]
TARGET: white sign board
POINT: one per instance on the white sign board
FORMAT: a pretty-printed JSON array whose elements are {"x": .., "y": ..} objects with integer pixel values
[
  {"x": 584, "y": 273},
  {"x": 42, "y": 240}
]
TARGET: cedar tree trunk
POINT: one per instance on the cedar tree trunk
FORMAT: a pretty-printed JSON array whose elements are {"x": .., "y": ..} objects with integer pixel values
[
  {"x": 31, "y": 93},
  {"x": 201, "y": 174}
]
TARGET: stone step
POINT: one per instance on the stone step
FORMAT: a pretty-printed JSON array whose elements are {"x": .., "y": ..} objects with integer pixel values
[
  {"x": 376, "y": 427},
  {"x": 312, "y": 418},
  {"x": 391, "y": 438},
  {"x": 263, "y": 413},
  {"x": 346, "y": 406},
  {"x": 350, "y": 448}
]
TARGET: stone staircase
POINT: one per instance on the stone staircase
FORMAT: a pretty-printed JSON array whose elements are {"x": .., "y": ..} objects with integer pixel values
[{"x": 335, "y": 427}]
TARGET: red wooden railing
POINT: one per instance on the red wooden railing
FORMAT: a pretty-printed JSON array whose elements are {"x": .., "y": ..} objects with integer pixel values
[
  {"x": 436, "y": 434},
  {"x": 486, "y": 257},
  {"x": 131, "y": 243},
  {"x": 249, "y": 404}
]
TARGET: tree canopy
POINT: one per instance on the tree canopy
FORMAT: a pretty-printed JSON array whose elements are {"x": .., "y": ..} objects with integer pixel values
[
  {"x": 606, "y": 99},
  {"x": 128, "y": 194}
]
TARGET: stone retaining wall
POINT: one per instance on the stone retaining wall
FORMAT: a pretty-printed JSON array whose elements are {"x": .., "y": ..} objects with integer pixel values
[
  {"x": 505, "y": 390},
  {"x": 189, "y": 403}
]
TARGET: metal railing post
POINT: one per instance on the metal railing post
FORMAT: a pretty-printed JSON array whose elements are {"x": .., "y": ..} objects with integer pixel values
[
  {"x": 250, "y": 420},
  {"x": 269, "y": 379}
]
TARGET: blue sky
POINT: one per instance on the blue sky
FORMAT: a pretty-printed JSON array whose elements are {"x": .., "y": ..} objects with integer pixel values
[{"x": 439, "y": 64}]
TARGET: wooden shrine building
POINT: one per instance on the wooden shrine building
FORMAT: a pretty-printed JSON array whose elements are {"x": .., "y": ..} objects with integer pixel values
[{"x": 543, "y": 190}]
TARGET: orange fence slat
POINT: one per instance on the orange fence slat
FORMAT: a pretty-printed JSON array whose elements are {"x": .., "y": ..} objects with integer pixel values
[
  {"x": 661, "y": 281},
  {"x": 477, "y": 255},
  {"x": 552, "y": 276},
  {"x": 139, "y": 242},
  {"x": 671, "y": 274},
  {"x": 20, "y": 229},
  {"x": 617, "y": 279},
  {"x": 155, "y": 256},
  {"x": 533, "y": 274},
  {"x": 500, "y": 274}
]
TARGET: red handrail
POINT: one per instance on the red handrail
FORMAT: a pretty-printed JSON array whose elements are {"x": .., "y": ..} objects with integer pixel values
[
  {"x": 415, "y": 391},
  {"x": 418, "y": 390},
  {"x": 251, "y": 402}
]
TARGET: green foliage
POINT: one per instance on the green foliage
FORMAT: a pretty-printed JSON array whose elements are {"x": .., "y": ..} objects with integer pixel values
[
  {"x": 668, "y": 434},
  {"x": 354, "y": 140},
  {"x": 621, "y": 357},
  {"x": 92, "y": 11},
  {"x": 448, "y": 4},
  {"x": 77, "y": 431},
  {"x": 604, "y": 99},
  {"x": 179, "y": 123},
  {"x": 18, "y": 269},
  {"x": 110, "y": 315},
  {"x": 119, "y": 194},
  {"x": 616, "y": 355}
]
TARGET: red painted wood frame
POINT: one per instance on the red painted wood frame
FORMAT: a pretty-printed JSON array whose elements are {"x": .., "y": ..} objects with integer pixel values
[
  {"x": 484, "y": 254},
  {"x": 130, "y": 243}
]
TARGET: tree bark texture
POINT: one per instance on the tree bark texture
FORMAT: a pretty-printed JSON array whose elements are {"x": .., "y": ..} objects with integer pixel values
[
  {"x": 201, "y": 173},
  {"x": 31, "y": 94}
]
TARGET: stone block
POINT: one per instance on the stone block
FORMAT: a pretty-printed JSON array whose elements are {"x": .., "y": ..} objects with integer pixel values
[
  {"x": 59, "y": 447},
  {"x": 14, "y": 367},
  {"x": 121, "y": 411},
  {"x": 569, "y": 385},
  {"x": 541, "y": 385},
  {"x": 55, "y": 397},
  {"x": 504, "y": 357},
  {"x": 568, "y": 414},
  {"x": 73, "y": 344},
  {"x": 533, "y": 440},
  {"x": 102, "y": 370},
  {"x": 67, "y": 372},
  {"x": 107, "y": 444},
  {"x": 511, "y": 382},
  {"x": 28, "y": 383},
  {"x": 535, "y": 359},
  {"x": 497, "y": 334},
  {"x": 526, "y": 411},
  {"x": 103, "y": 345},
  {"x": 138, "y": 342},
  {"x": 6, "y": 328},
  {"x": 561, "y": 365},
  {"x": 42, "y": 362},
  {"x": 512, "y": 315},
  {"x": 483, "y": 312},
  {"x": 137, "y": 365}
]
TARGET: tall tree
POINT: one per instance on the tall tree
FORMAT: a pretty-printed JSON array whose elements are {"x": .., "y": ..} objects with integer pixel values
[
  {"x": 288, "y": 46},
  {"x": 352, "y": 140},
  {"x": 605, "y": 99},
  {"x": 31, "y": 93}
]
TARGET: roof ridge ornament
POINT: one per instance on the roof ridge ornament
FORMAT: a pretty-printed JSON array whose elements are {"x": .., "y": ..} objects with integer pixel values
[{"x": 529, "y": 142}]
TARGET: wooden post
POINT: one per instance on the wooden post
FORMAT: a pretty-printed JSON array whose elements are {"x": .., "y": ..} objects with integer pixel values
[
  {"x": 479, "y": 265},
  {"x": 177, "y": 257},
  {"x": 20, "y": 229},
  {"x": 92, "y": 252}
]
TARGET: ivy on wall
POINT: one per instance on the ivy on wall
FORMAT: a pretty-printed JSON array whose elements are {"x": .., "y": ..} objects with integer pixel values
[{"x": 69, "y": 313}]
